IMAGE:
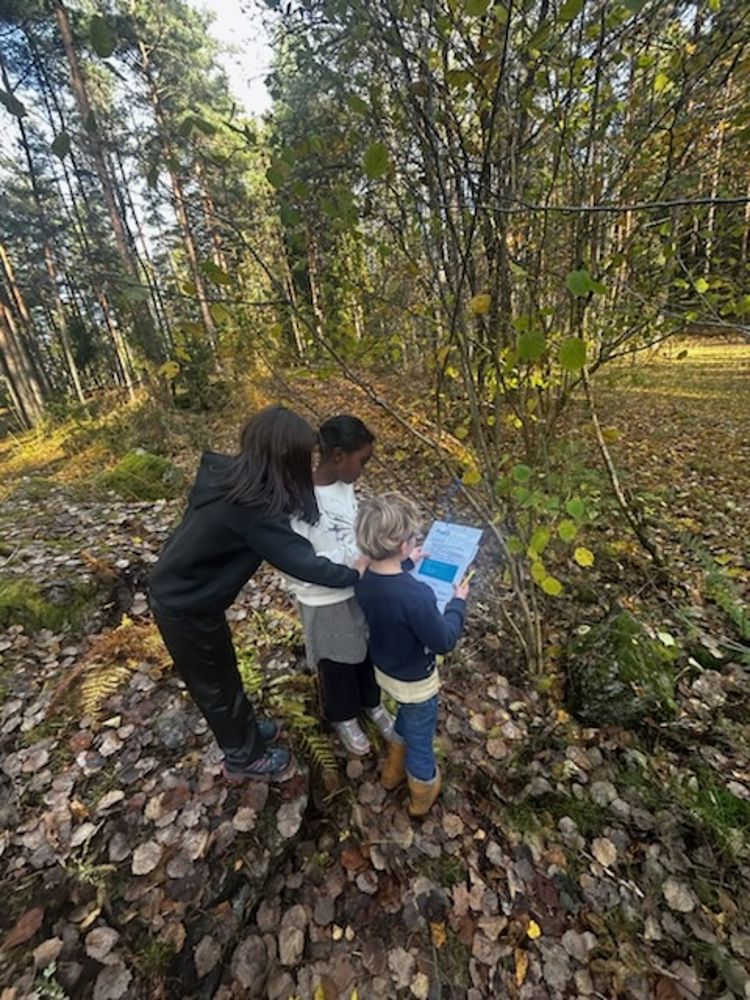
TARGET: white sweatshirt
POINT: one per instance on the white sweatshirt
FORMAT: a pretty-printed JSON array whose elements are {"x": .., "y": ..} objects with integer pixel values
[{"x": 332, "y": 537}]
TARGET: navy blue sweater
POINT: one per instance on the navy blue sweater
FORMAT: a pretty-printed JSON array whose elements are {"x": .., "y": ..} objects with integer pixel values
[{"x": 406, "y": 628}]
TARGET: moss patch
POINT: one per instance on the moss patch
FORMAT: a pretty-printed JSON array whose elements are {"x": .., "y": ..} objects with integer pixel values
[
  {"x": 618, "y": 675},
  {"x": 140, "y": 475},
  {"x": 23, "y": 602}
]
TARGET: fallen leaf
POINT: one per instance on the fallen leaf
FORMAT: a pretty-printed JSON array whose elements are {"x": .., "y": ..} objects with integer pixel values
[
  {"x": 534, "y": 930},
  {"x": 437, "y": 932},
  {"x": 289, "y": 818},
  {"x": 604, "y": 851},
  {"x": 112, "y": 982},
  {"x": 678, "y": 896},
  {"x": 24, "y": 928},
  {"x": 47, "y": 952},
  {"x": 146, "y": 857},
  {"x": 420, "y": 986},
  {"x": 522, "y": 965},
  {"x": 207, "y": 953},
  {"x": 244, "y": 819},
  {"x": 100, "y": 942}
]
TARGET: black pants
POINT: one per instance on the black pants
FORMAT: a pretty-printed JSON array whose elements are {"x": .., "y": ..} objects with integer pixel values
[
  {"x": 204, "y": 656},
  {"x": 347, "y": 689}
]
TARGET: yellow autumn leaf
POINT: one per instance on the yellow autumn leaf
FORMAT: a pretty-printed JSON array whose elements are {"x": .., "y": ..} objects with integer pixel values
[
  {"x": 320, "y": 993},
  {"x": 583, "y": 556},
  {"x": 534, "y": 930},
  {"x": 471, "y": 477},
  {"x": 437, "y": 931},
  {"x": 480, "y": 304},
  {"x": 170, "y": 369},
  {"x": 611, "y": 434},
  {"x": 538, "y": 572},
  {"x": 522, "y": 965},
  {"x": 552, "y": 586}
]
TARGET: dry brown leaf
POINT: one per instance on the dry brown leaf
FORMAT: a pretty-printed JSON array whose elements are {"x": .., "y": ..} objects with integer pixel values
[
  {"x": 146, "y": 857},
  {"x": 522, "y": 965},
  {"x": 24, "y": 928}
]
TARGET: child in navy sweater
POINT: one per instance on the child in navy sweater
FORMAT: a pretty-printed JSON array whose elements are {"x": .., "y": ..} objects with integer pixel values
[{"x": 406, "y": 631}]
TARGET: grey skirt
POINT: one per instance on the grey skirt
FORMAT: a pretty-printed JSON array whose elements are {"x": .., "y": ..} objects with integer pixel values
[{"x": 334, "y": 632}]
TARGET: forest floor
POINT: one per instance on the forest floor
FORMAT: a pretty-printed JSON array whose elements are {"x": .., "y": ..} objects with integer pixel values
[{"x": 561, "y": 861}]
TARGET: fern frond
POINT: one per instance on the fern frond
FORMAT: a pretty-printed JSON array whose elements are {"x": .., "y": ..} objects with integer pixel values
[
  {"x": 101, "y": 683},
  {"x": 318, "y": 749}
]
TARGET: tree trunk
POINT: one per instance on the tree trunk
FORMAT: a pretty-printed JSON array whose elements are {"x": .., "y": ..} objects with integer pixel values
[
  {"x": 124, "y": 374},
  {"x": 178, "y": 198},
  {"x": 26, "y": 358},
  {"x": 20, "y": 375},
  {"x": 209, "y": 218},
  {"x": 299, "y": 343},
  {"x": 93, "y": 143},
  {"x": 60, "y": 322}
]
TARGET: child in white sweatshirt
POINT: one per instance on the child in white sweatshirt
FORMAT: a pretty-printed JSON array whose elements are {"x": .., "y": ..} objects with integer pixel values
[{"x": 335, "y": 628}]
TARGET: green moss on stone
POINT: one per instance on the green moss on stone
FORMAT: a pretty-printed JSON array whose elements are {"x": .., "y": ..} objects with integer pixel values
[
  {"x": 141, "y": 475},
  {"x": 618, "y": 675},
  {"x": 23, "y": 602}
]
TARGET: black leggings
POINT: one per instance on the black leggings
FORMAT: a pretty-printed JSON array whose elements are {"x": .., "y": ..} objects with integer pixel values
[
  {"x": 347, "y": 689},
  {"x": 204, "y": 656}
]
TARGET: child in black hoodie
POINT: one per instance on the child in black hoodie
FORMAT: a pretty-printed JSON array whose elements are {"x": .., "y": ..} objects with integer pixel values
[{"x": 237, "y": 516}]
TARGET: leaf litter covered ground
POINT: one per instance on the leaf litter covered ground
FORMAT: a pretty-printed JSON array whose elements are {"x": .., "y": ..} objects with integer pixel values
[{"x": 561, "y": 861}]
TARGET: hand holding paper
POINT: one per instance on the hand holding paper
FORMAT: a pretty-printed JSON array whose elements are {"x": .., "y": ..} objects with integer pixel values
[{"x": 452, "y": 549}]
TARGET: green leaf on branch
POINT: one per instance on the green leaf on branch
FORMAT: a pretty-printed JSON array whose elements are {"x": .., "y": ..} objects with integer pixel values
[
  {"x": 569, "y": 10},
  {"x": 576, "y": 508},
  {"x": 12, "y": 104},
  {"x": 475, "y": 8},
  {"x": 661, "y": 83},
  {"x": 552, "y": 586},
  {"x": 61, "y": 145},
  {"x": 567, "y": 530},
  {"x": 531, "y": 345},
  {"x": 480, "y": 304},
  {"x": 357, "y": 105},
  {"x": 539, "y": 541},
  {"x": 701, "y": 286},
  {"x": 515, "y": 545},
  {"x": 102, "y": 37},
  {"x": 215, "y": 273},
  {"x": 572, "y": 354},
  {"x": 579, "y": 282},
  {"x": 538, "y": 572},
  {"x": 521, "y": 473},
  {"x": 375, "y": 160},
  {"x": 219, "y": 313}
]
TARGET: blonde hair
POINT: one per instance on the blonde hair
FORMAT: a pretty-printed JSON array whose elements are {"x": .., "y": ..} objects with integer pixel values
[{"x": 384, "y": 523}]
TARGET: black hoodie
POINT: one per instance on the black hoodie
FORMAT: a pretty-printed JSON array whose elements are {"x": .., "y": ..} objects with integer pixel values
[{"x": 218, "y": 546}]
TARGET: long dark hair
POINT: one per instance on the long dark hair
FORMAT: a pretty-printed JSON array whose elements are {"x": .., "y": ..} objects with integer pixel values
[
  {"x": 274, "y": 467},
  {"x": 345, "y": 432}
]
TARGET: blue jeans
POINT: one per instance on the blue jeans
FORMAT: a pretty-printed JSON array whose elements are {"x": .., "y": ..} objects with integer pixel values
[{"x": 415, "y": 726}]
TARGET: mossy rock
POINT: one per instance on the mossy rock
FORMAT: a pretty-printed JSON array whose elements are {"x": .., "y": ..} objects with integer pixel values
[
  {"x": 618, "y": 675},
  {"x": 62, "y": 605},
  {"x": 141, "y": 475}
]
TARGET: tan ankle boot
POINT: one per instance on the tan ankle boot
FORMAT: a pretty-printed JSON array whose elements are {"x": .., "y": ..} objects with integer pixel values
[
  {"x": 394, "y": 769},
  {"x": 423, "y": 793}
]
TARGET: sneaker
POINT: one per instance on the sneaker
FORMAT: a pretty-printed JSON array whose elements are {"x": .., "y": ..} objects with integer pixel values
[
  {"x": 276, "y": 764},
  {"x": 269, "y": 730},
  {"x": 351, "y": 735},
  {"x": 383, "y": 720}
]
